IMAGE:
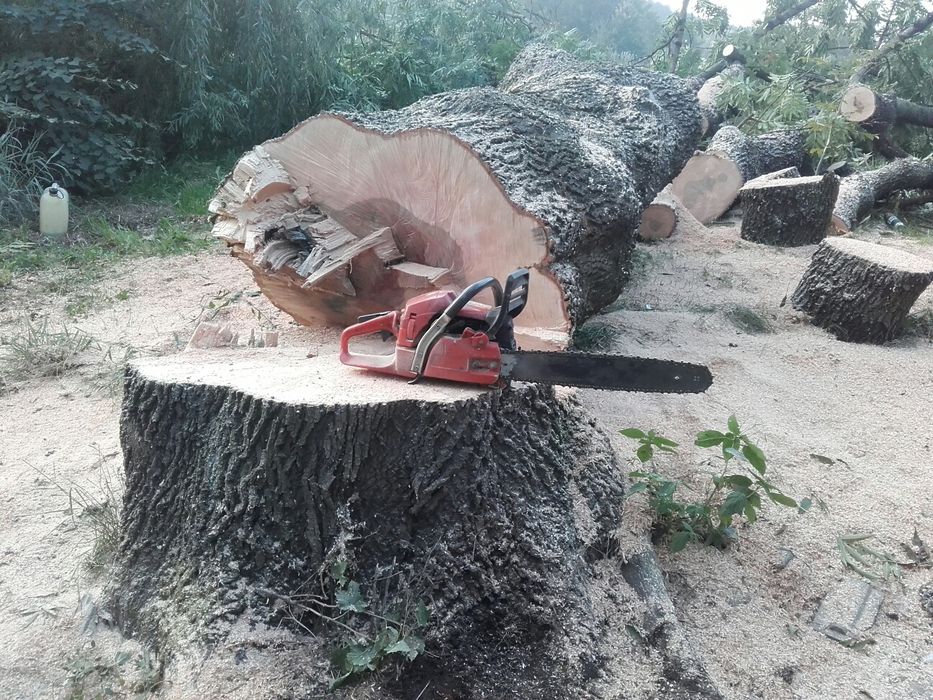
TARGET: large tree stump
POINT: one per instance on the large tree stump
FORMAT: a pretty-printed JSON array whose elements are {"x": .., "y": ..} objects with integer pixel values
[
  {"x": 861, "y": 292},
  {"x": 710, "y": 181},
  {"x": 549, "y": 172},
  {"x": 788, "y": 211},
  {"x": 249, "y": 473},
  {"x": 859, "y": 192}
]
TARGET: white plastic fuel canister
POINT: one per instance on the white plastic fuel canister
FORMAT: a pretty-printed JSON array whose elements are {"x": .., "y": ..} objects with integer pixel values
[{"x": 53, "y": 211}]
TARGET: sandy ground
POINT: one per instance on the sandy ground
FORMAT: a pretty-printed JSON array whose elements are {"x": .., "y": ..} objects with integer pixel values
[{"x": 796, "y": 389}]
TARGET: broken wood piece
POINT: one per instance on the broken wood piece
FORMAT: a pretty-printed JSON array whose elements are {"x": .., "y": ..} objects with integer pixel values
[
  {"x": 212, "y": 335},
  {"x": 861, "y": 292},
  {"x": 417, "y": 276},
  {"x": 788, "y": 211},
  {"x": 551, "y": 172},
  {"x": 710, "y": 181},
  {"x": 859, "y": 192}
]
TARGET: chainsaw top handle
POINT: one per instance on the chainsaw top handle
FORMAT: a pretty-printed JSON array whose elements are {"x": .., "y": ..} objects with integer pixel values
[{"x": 437, "y": 329}]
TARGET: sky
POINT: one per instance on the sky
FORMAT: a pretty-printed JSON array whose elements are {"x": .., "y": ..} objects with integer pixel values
[{"x": 741, "y": 12}]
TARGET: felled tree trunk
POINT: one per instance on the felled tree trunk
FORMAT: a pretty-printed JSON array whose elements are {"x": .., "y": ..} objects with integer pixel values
[
  {"x": 861, "y": 292},
  {"x": 859, "y": 192},
  {"x": 549, "y": 172},
  {"x": 710, "y": 182},
  {"x": 251, "y": 474},
  {"x": 788, "y": 211},
  {"x": 665, "y": 216}
]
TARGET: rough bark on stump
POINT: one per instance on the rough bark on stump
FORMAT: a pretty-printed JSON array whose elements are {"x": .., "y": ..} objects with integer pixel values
[
  {"x": 861, "y": 292},
  {"x": 788, "y": 211},
  {"x": 248, "y": 472},
  {"x": 710, "y": 182},
  {"x": 859, "y": 192},
  {"x": 549, "y": 172}
]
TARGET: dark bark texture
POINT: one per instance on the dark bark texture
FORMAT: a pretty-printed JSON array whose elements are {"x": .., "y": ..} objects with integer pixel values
[
  {"x": 859, "y": 192},
  {"x": 861, "y": 292},
  {"x": 788, "y": 211},
  {"x": 499, "y": 509}
]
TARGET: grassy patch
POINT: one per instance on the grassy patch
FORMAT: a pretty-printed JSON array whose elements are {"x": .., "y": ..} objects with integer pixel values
[
  {"x": 41, "y": 350},
  {"x": 163, "y": 212},
  {"x": 92, "y": 674},
  {"x": 748, "y": 320},
  {"x": 594, "y": 336},
  {"x": 920, "y": 230},
  {"x": 920, "y": 324}
]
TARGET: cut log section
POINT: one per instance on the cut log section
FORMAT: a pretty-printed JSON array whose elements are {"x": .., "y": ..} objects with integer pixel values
[
  {"x": 861, "y": 292},
  {"x": 550, "y": 172},
  {"x": 659, "y": 218},
  {"x": 788, "y": 211},
  {"x": 248, "y": 477},
  {"x": 665, "y": 215},
  {"x": 710, "y": 182},
  {"x": 864, "y": 106},
  {"x": 859, "y": 192}
]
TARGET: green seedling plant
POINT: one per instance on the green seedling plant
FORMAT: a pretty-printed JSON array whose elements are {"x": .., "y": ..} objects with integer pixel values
[
  {"x": 737, "y": 491},
  {"x": 375, "y": 637}
]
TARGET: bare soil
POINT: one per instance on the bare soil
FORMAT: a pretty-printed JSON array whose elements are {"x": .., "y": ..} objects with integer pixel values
[{"x": 849, "y": 425}]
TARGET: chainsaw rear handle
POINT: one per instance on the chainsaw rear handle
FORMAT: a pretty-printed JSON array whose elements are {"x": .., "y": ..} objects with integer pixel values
[
  {"x": 439, "y": 327},
  {"x": 375, "y": 323}
]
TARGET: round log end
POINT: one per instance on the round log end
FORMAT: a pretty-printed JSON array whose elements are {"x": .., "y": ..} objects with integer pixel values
[
  {"x": 708, "y": 185},
  {"x": 658, "y": 222},
  {"x": 858, "y": 104}
]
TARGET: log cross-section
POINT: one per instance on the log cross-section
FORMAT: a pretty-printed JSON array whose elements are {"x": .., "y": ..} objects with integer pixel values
[{"x": 551, "y": 171}]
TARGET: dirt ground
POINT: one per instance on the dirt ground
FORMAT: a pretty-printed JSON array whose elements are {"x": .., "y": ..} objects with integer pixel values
[{"x": 849, "y": 425}]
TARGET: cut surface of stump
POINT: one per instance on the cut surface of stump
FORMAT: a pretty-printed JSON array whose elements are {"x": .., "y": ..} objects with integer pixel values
[
  {"x": 788, "y": 211},
  {"x": 859, "y": 192},
  {"x": 710, "y": 181},
  {"x": 861, "y": 292},
  {"x": 550, "y": 172},
  {"x": 250, "y": 475}
]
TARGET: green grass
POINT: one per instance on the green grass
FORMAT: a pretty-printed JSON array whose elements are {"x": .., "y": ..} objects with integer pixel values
[
  {"x": 187, "y": 184},
  {"x": 162, "y": 212},
  {"x": 748, "y": 320}
]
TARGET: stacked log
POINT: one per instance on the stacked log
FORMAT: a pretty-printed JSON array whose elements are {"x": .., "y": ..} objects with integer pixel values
[
  {"x": 859, "y": 192},
  {"x": 861, "y": 292},
  {"x": 788, "y": 211},
  {"x": 710, "y": 182},
  {"x": 551, "y": 172}
]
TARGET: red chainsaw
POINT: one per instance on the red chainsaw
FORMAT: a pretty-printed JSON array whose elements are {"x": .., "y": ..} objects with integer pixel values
[{"x": 444, "y": 335}]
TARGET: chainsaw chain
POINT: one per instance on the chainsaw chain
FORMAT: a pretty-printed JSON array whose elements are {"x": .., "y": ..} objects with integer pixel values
[{"x": 580, "y": 385}]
